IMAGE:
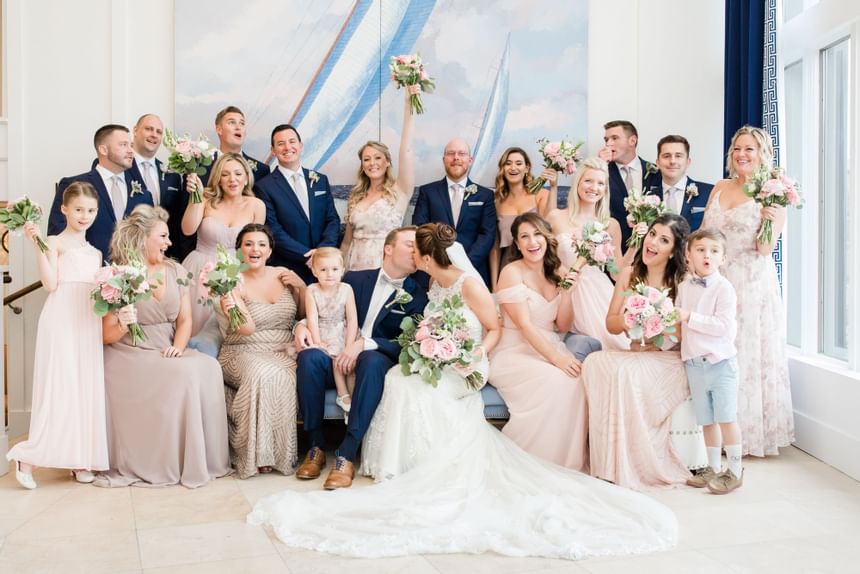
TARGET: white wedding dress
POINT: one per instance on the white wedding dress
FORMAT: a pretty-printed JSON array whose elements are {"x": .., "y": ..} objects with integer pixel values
[{"x": 452, "y": 483}]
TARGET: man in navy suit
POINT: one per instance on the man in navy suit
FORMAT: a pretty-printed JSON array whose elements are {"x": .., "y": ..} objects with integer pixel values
[
  {"x": 383, "y": 297},
  {"x": 458, "y": 201},
  {"x": 118, "y": 189},
  {"x": 299, "y": 205},
  {"x": 626, "y": 169},
  {"x": 166, "y": 188},
  {"x": 230, "y": 128},
  {"x": 680, "y": 193}
]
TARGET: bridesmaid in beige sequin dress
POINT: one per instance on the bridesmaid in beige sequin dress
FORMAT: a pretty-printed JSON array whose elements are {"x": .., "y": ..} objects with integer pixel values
[
  {"x": 258, "y": 361},
  {"x": 377, "y": 203},
  {"x": 764, "y": 392}
]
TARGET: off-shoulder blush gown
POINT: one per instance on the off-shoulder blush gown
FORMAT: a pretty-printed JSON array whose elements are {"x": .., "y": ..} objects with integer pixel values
[{"x": 549, "y": 413}]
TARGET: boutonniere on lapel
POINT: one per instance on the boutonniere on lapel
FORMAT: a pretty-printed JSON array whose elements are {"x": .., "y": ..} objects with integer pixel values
[
  {"x": 252, "y": 165},
  {"x": 471, "y": 189},
  {"x": 402, "y": 297},
  {"x": 163, "y": 169},
  {"x": 313, "y": 177},
  {"x": 650, "y": 169},
  {"x": 692, "y": 191},
  {"x": 136, "y": 188}
]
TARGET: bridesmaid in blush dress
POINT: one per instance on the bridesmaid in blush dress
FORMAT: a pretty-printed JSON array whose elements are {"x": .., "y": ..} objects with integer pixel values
[
  {"x": 378, "y": 201},
  {"x": 636, "y": 397},
  {"x": 165, "y": 402},
  {"x": 587, "y": 203},
  {"x": 227, "y": 206},
  {"x": 67, "y": 426},
  {"x": 764, "y": 391},
  {"x": 534, "y": 372}
]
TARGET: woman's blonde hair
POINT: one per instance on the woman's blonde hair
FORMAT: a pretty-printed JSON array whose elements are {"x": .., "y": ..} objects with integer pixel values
[
  {"x": 601, "y": 210},
  {"x": 361, "y": 187},
  {"x": 503, "y": 190},
  {"x": 763, "y": 142},
  {"x": 213, "y": 191},
  {"x": 129, "y": 238}
]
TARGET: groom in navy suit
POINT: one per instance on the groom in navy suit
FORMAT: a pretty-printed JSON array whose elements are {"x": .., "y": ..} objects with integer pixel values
[
  {"x": 383, "y": 298},
  {"x": 679, "y": 192},
  {"x": 467, "y": 207},
  {"x": 626, "y": 169},
  {"x": 119, "y": 190},
  {"x": 299, "y": 205}
]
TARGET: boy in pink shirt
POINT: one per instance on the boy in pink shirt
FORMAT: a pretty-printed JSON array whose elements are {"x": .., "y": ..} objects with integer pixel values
[{"x": 708, "y": 306}]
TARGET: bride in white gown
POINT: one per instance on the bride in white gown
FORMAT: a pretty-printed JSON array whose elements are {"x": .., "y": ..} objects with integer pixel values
[{"x": 449, "y": 481}]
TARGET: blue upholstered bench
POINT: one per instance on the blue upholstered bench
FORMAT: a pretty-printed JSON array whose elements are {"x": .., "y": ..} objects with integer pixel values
[{"x": 208, "y": 341}]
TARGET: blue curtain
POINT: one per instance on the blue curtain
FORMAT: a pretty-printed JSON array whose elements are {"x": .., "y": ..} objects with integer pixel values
[{"x": 743, "y": 66}]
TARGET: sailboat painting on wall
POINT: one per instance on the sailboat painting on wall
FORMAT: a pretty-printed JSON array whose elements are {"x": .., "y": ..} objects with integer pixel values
[{"x": 506, "y": 72}]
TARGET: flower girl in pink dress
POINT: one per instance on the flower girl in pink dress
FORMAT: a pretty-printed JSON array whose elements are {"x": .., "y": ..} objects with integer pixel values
[
  {"x": 332, "y": 316},
  {"x": 67, "y": 425}
]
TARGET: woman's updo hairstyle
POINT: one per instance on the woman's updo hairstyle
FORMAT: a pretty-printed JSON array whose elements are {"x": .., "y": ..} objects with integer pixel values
[{"x": 434, "y": 239}]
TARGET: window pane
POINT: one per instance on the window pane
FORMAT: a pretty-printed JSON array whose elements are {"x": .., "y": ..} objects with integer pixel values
[
  {"x": 835, "y": 138},
  {"x": 793, "y": 237}
]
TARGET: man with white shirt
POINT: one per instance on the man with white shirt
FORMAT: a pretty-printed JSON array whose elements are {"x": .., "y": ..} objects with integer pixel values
[
  {"x": 166, "y": 188},
  {"x": 299, "y": 205},
  {"x": 383, "y": 298},
  {"x": 626, "y": 169},
  {"x": 461, "y": 203},
  {"x": 119, "y": 190},
  {"x": 680, "y": 193}
]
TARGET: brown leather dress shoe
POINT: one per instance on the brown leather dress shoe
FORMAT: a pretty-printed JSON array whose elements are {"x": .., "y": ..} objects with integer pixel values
[
  {"x": 313, "y": 464},
  {"x": 341, "y": 474}
]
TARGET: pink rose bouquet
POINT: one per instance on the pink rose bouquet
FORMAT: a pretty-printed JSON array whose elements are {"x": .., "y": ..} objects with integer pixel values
[
  {"x": 408, "y": 70},
  {"x": 118, "y": 286},
  {"x": 219, "y": 278},
  {"x": 21, "y": 211},
  {"x": 596, "y": 246},
  {"x": 641, "y": 208},
  {"x": 560, "y": 156},
  {"x": 188, "y": 156},
  {"x": 438, "y": 339},
  {"x": 649, "y": 313},
  {"x": 772, "y": 187}
]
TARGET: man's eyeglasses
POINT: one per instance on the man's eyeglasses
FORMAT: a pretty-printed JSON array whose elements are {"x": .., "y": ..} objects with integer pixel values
[{"x": 460, "y": 154}]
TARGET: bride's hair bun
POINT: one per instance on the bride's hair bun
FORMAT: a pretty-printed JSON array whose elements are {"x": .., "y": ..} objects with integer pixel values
[{"x": 433, "y": 239}]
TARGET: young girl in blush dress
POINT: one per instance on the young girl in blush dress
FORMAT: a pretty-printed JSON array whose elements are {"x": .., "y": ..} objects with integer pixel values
[
  {"x": 332, "y": 316},
  {"x": 67, "y": 427}
]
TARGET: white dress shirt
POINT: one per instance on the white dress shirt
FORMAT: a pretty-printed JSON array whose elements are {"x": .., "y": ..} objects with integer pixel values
[
  {"x": 456, "y": 200},
  {"x": 710, "y": 331},
  {"x": 381, "y": 292},
  {"x": 107, "y": 177},
  {"x": 149, "y": 170},
  {"x": 673, "y": 195},
  {"x": 299, "y": 186},
  {"x": 635, "y": 168}
]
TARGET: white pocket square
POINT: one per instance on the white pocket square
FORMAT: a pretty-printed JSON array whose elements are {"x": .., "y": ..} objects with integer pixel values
[
  {"x": 319, "y": 193},
  {"x": 398, "y": 312},
  {"x": 171, "y": 188},
  {"x": 476, "y": 203},
  {"x": 697, "y": 209}
]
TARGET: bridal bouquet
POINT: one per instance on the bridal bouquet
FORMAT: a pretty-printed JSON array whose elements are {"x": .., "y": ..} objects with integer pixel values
[
  {"x": 560, "y": 156},
  {"x": 772, "y": 187},
  {"x": 188, "y": 156},
  {"x": 21, "y": 211},
  {"x": 641, "y": 208},
  {"x": 596, "y": 246},
  {"x": 438, "y": 339},
  {"x": 408, "y": 70},
  {"x": 219, "y": 278},
  {"x": 649, "y": 313},
  {"x": 118, "y": 286}
]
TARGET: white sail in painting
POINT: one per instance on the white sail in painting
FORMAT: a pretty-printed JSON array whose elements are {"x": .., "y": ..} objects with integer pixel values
[{"x": 494, "y": 118}]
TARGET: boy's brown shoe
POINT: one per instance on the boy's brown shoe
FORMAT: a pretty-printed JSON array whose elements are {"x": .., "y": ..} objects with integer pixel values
[
  {"x": 702, "y": 479},
  {"x": 725, "y": 482}
]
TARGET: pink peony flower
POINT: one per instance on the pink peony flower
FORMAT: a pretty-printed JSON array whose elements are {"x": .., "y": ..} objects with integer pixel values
[
  {"x": 446, "y": 349},
  {"x": 651, "y": 200},
  {"x": 792, "y": 196},
  {"x": 552, "y": 149},
  {"x": 653, "y": 326},
  {"x": 422, "y": 333},
  {"x": 423, "y": 76},
  {"x": 183, "y": 147},
  {"x": 654, "y": 295},
  {"x": 402, "y": 59},
  {"x": 461, "y": 334},
  {"x": 570, "y": 168},
  {"x": 143, "y": 287},
  {"x": 428, "y": 348},
  {"x": 772, "y": 187},
  {"x": 104, "y": 274},
  {"x": 598, "y": 253},
  {"x": 207, "y": 267},
  {"x": 630, "y": 319},
  {"x": 636, "y": 303},
  {"x": 631, "y": 222},
  {"x": 109, "y": 293},
  {"x": 666, "y": 306}
]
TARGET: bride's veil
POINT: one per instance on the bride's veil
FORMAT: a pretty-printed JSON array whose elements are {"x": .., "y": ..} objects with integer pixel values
[{"x": 460, "y": 260}]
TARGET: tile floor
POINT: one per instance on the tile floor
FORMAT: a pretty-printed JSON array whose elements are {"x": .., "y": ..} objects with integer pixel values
[{"x": 794, "y": 514}]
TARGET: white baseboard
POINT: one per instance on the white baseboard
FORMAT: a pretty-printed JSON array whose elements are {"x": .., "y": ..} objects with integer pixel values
[{"x": 828, "y": 444}]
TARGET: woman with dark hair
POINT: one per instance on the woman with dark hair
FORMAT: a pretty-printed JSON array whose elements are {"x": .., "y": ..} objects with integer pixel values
[
  {"x": 448, "y": 481},
  {"x": 634, "y": 395},
  {"x": 532, "y": 369},
  {"x": 513, "y": 199},
  {"x": 259, "y": 369}
]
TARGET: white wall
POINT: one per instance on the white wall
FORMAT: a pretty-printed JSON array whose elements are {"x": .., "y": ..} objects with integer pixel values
[{"x": 73, "y": 66}]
